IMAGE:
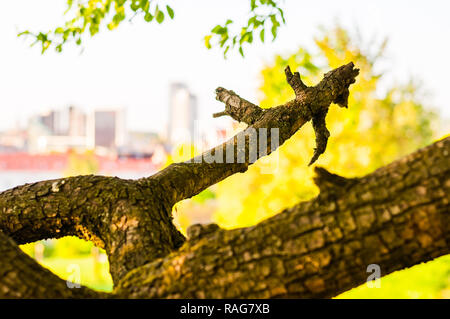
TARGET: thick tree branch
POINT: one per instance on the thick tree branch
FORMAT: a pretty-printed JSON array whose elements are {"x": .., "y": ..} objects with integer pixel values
[
  {"x": 396, "y": 217},
  {"x": 22, "y": 277},
  {"x": 129, "y": 221}
]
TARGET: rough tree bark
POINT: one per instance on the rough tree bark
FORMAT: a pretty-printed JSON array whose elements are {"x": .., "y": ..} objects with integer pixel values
[{"x": 395, "y": 217}]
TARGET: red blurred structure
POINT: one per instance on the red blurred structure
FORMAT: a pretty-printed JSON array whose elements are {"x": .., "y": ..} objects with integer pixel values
[{"x": 59, "y": 162}]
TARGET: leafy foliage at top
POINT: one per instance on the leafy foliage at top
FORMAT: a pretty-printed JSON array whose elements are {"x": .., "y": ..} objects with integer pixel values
[
  {"x": 264, "y": 15},
  {"x": 88, "y": 17}
]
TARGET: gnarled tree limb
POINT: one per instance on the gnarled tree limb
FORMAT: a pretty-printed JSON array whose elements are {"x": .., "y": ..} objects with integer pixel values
[
  {"x": 395, "y": 217},
  {"x": 130, "y": 222},
  {"x": 295, "y": 81}
]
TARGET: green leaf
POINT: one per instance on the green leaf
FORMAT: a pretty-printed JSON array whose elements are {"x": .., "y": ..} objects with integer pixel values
[
  {"x": 41, "y": 37},
  {"x": 282, "y": 15},
  {"x": 23, "y": 33},
  {"x": 66, "y": 34},
  {"x": 241, "y": 51},
  {"x": 145, "y": 6},
  {"x": 117, "y": 18},
  {"x": 223, "y": 40},
  {"x": 207, "y": 41},
  {"x": 217, "y": 29},
  {"x": 159, "y": 15},
  {"x": 247, "y": 37},
  {"x": 69, "y": 4},
  {"x": 170, "y": 12},
  {"x": 148, "y": 17},
  {"x": 225, "y": 52},
  {"x": 273, "y": 18},
  {"x": 135, "y": 5},
  {"x": 251, "y": 21},
  {"x": 261, "y": 35},
  {"x": 274, "y": 31}
]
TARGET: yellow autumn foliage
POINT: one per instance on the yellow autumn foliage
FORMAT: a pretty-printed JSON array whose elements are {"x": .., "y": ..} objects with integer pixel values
[{"x": 378, "y": 127}]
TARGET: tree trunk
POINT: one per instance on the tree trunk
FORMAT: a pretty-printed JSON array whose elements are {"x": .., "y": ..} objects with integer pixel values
[{"x": 395, "y": 217}]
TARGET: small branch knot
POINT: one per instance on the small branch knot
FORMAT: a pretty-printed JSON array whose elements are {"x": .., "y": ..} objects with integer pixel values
[
  {"x": 336, "y": 83},
  {"x": 294, "y": 81},
  {"x": 322, "y": 134},
  {"x": 351, "y": 73},
  {"x": 327, "y": 181},
  {"x": 237, "y": 108},
  {"x": 197, "y": 231}
]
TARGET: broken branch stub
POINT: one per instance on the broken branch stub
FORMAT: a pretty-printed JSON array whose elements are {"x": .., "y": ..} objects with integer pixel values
[{"x": 310, "y": 103}]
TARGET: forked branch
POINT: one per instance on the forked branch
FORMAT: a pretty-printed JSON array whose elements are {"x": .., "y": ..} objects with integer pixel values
[{"x": 182, "y": 180}]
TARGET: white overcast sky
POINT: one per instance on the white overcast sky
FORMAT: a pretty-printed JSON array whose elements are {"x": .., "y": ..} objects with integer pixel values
[{"x": 132, "y": 66}]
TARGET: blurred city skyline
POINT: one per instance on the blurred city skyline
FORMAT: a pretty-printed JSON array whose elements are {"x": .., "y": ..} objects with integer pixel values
[
  {"x": 69, "y": 140},
  {"x": 132, "y": 67},
  {"x": 103, "y": 129}
]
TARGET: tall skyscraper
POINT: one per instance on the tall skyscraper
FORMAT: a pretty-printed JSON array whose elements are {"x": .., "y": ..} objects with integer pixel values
[
  {"x": 107, "y": 129},
  {"x": 182, "y": 114}
]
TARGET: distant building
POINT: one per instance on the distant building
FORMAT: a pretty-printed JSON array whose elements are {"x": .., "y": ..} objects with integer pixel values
[
  {"x": 46, "y": 120},
  {"x": 71, "y": 128},
  {"x": 106, "y": 129},
  {"x": 182, "y": 114},
  {"x": 69, "y": 121},
  {"x": 57, "y": 131}
]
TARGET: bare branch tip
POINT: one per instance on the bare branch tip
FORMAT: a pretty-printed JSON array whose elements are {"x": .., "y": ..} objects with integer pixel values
[
  {"x": 314, "y": 158},
  {"x": 219, "y": 114},
  {"x": 294, "y": 80},
  {"x": 287, "y": 70}
]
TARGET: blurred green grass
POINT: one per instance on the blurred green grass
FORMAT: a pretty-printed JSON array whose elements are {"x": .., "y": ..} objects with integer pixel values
[{"x": 429, "y": 280}]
